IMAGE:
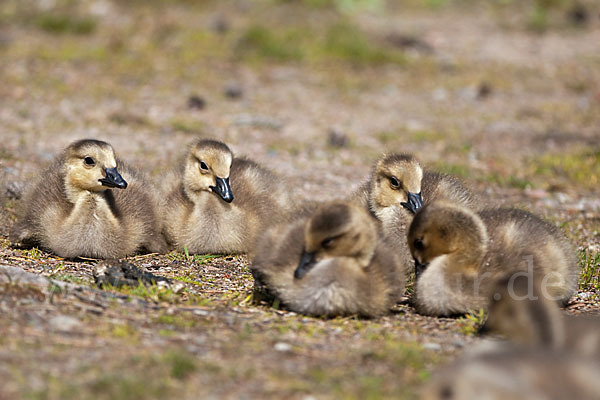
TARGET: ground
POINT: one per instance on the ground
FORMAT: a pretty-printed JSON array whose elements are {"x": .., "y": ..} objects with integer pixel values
[{"x": 506, "y": 95}]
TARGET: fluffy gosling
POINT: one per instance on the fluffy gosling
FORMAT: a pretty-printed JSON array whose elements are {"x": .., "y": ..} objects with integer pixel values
[
  {"x": 219, "y": 203},
  {"x": 460, "y": 255},
  {"x": 523, "y": 312},
  {"x": 517, "y": 374},
  {"x": 89, "y": 204},
  {"x": 331, "y": 264}
]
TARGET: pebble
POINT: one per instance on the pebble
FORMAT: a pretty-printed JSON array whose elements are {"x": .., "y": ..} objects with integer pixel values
[
  {"x": 196, "y": 102},
  {"x": 432, "y": 346},
  {"x": 337, "y": 138},
  {"x": 63, "y": 323},
  {"x": 233, "y": 92},
  {"x": 14, "y": 190},
  {"x": 283, "y": 347}
]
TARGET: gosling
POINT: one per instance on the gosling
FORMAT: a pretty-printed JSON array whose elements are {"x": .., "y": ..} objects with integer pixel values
[
  {"x": 89, "y": 204},
  {"x": 331, "y": 264},
  {"x": 219, "y": 203},
  {"x": 460, "y": 255},
  {"x": 398, "y": 187},
  {"x": 517, "y": 373},
  {"x": 523, "y": 312}
]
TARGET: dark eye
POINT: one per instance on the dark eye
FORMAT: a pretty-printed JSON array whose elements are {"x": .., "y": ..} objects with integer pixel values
[
  {"x": 394, "y": 182},
  {"x": 326, "y": 243},
  {"x": 203, "y": 166},
  {"x": 418, "y": 243},
  {"x": 89, "y": 161}
]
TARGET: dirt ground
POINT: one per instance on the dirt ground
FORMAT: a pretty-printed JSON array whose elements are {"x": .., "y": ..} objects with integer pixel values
[{"x": 503, "y": 94}]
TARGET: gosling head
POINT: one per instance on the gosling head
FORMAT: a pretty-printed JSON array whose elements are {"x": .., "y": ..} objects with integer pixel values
[
  {"x": 207, "y": 168},
  {"x": 443, "y": 229},
  {"x": 337, "y": 229},
  {"x": 396, "y": 180},
  {"x": 519, "y": 311},
  {"x": 91, "y": 165}
]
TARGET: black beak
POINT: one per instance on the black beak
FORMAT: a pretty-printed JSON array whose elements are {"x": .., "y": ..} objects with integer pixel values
[
  {"x": 419, "y": 268},
  {"x": 223, "y": 189},
  {"x": 113, "y": 179},
  {"x": 414, "y": 202},
  {"x": 306, "y": 263}
]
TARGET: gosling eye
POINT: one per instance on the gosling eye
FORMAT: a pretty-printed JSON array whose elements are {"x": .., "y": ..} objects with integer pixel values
[
  {"x": 394, "y": 182},
  {"x": 203, "y": 166},
  {"x": 419, "y": 245},
  {"x": 89, "y": 161},
  {"x": 327, "y": 243}
]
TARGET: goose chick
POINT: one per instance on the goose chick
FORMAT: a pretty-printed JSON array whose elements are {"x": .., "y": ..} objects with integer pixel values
[
  {"x": 89, "y": 204},
  {"x": 398, "y": 187},
  {"x": 220, "y": 203},
  {"x": 460, "y": 255},
  {"x": 331, "y": 264},
  {"x": 517, "y": 373},
  {"x": 525, "y": 313}
]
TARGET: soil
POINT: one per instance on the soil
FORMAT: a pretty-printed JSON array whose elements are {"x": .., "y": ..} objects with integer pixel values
[{"x": 471, "y": 90}]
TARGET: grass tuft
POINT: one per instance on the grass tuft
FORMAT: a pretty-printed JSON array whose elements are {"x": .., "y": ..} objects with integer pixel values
[
  {"x": 347, "y": 42},
  {"x": 581, "y": 168},
  {"x": 61, "y": 24},
  {"x": 261, "y": 42},
  {"x": 589, "y": 278}
]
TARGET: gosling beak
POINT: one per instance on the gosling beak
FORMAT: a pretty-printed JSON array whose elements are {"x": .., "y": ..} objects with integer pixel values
[
  {"x": 419, "y": 268},
  {"x": 223, "y": 189},
  {"x": 415, "y": 201},
  {"x": 307, "y": 261},
  {"x": 113, "y": 179}
]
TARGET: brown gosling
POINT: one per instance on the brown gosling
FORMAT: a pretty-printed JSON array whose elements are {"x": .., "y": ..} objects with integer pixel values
[
  {"x": 331, "y": 264},
  {"x": 219, "y": 203},
  {"x": 517, "y": 373},
  {"x": 523, "y": 312},
  {"x": 460, "y": 255},
  {"x": 89, "y": 204},
  {"x": 398, "y": 187}
]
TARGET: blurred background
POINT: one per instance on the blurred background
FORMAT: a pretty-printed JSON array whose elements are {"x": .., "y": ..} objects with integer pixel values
[{"x": 503, "y": 93}]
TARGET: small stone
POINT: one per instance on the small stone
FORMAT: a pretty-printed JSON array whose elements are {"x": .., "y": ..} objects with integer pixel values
[
  {"x": 63, "y": 323},
  {"x": 432, "y": 346},
  {"x": 337, "y": 139},
  {"x": 283, "y": 347},
  {"x": 14, "y": 190},
  {"x": 177, "y": 287},
  {"x": 220, "y": 25},
  {"x": 578, "y": 14},
  {"x": 233, "y": 92},
  {"x": 440, "y": 94},
  {"x": 484, "y": 90},
  {"x": 196, "y": 102}
]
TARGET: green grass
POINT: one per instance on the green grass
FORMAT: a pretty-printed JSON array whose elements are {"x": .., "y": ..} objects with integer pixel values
[
  {"x": 158, "y": 294},
  {"x": 579, "y": 168},
  {"x": 508, "y": 181},
  {"x": 62, "y": 24},
  {"x": 459, "y": 170},
  {"x": 589, "y": 278},
  {"x": 143, "y": 376},
  {"x": 346, "y": 42},
  {"x": 341, "y": 41},
  {"x": 191, "y": 127},
  {"x": 471, "y": 322},
  {"x": 261, "y": 42}
]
